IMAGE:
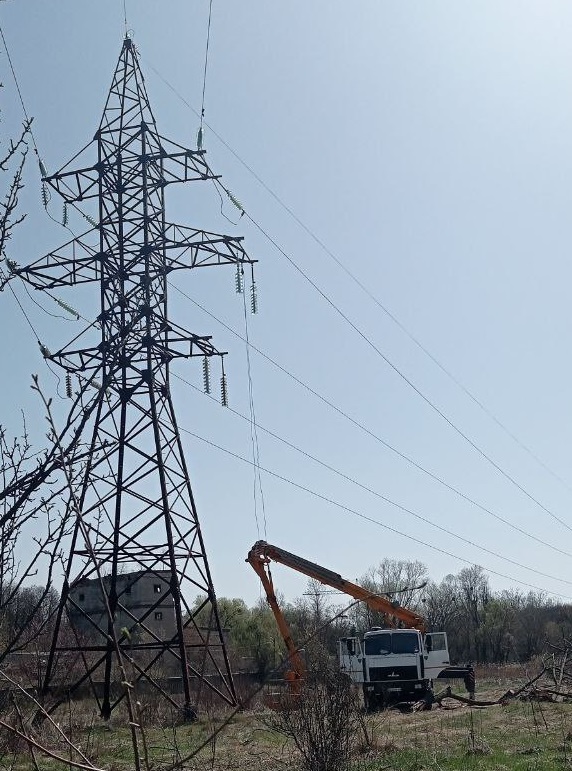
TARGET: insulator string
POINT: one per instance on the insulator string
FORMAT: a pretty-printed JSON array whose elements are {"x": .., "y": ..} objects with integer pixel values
[{"x": 206, "y": 375}]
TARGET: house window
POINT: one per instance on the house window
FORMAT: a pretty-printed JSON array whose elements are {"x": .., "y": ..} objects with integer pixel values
[
  {"x": 157, "y": 588},
  {"x": 158, "y": 616},
  {"x": 81, "y": 597}
]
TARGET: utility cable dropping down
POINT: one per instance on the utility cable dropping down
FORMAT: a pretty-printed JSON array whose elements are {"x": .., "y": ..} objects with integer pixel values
[
  {"x": 200, "y": 131},
  {"x": 257, "y": 481}
]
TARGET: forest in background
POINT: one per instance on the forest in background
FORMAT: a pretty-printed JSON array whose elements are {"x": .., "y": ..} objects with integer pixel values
[{"x": 483, "y": 626}]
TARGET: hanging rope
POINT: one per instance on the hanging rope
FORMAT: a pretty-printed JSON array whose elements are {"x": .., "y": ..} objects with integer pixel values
[
  {"x": 200, "y": 132},
  {"x": 254, "y": 433}
]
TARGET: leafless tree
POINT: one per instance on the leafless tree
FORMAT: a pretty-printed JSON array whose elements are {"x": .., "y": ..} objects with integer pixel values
[
  {"x": 11, "y": 169},
  {"x": 325, "y": 724}
]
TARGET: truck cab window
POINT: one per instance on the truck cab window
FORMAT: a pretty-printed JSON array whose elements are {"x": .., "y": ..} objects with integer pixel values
[
  {"x": 407, "y": 642},
  {"x": 378, "y": 645},
  {"x": 436, "y": 641}
]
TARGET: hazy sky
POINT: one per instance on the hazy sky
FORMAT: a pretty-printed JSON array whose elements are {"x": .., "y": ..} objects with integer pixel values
[{"x": 427, "y": 146}]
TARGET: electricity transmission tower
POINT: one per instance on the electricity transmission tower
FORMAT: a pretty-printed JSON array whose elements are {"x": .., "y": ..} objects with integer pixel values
[{"x": 136, "y": 524}]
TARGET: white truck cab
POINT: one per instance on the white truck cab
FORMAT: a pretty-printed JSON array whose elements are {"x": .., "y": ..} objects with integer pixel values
[{"x": 395, "y": 664}]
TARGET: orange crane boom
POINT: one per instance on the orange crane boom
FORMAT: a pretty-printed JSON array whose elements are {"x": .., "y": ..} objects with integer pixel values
[
  {"x": 260, "y": 562},
  {"x": 262, "y": 554}
]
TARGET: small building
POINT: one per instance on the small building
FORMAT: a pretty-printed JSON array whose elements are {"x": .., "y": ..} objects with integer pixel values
[{"x": 144, "y": 607}]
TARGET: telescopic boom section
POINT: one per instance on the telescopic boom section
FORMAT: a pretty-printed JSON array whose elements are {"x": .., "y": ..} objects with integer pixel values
[
  {"x": 263, "y": 553},
  {"x": 260, "y": 562}
]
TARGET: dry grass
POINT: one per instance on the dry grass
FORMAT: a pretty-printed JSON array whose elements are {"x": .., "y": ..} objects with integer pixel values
[{"x": 523, "y": 736}]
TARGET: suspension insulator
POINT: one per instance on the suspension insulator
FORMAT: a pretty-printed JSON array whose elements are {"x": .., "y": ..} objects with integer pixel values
[
  {"x": 65, "y": 215},
  {"x": 91, "y": 221},
  {"x": 253, "y": 297},
  {"x": 45, "y": 196},
  {"x": 68, "y": 385},
  {"x": 45, "y": 351},
  {"x": 238, "y": 279},
  {"x": 223, "y": 391},
  {"x": 236, "y": 202},
  {"x": 200, "y": 138},
  {"x": 68, "y": 308},
  {"x": 43, "y": 171},
  {"x": 206, "y": 375}
]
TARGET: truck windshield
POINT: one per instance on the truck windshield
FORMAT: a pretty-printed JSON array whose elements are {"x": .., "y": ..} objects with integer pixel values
[
  {"x": 384, "y": 643},
  {"x": 405, "y": 643}
]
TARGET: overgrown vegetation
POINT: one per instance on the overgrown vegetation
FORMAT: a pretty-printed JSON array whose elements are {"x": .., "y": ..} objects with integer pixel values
[
  {"x": 527, "y": 734},
  {"x": 325, "y": 723}
]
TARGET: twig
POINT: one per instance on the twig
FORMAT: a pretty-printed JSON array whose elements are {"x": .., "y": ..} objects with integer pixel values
[{"x": 48, "y": 752}]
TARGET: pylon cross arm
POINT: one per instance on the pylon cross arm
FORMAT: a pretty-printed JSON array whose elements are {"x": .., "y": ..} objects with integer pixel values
[
  {"x": 78, "y": 185},
  {"x": 199, "y": 248},
  {"x": 73, "y": 263},
  {"x": 182, "y": 165}
]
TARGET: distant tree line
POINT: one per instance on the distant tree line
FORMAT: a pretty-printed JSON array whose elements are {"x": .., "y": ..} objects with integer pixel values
[{"x": 483, "y": 626}]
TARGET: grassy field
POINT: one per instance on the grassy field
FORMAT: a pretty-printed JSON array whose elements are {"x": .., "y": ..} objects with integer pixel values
[{"x": 523, "y": 736}]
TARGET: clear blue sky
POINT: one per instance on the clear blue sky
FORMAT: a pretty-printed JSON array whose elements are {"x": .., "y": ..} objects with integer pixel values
[{"x": 427, "y": 144}]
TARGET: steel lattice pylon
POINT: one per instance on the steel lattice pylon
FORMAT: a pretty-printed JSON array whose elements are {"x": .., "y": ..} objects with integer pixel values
[{"x": 136, "y": 521}]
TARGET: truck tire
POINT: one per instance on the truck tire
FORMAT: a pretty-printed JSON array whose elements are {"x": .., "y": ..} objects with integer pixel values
[{"x": 374, "y": 702}]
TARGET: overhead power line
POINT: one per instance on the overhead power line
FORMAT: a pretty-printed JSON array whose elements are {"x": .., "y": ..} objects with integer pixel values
[
  {"x": 256, "y": 460},
  {"x": 481, "y": 507},
  {"x": 407, "y": 380},
  {"x": 392, "y": 316},
  {"x": 352, "y": 325},
  {"x": 385, "y": 498},
  {"x": 365, "y": 517}
]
